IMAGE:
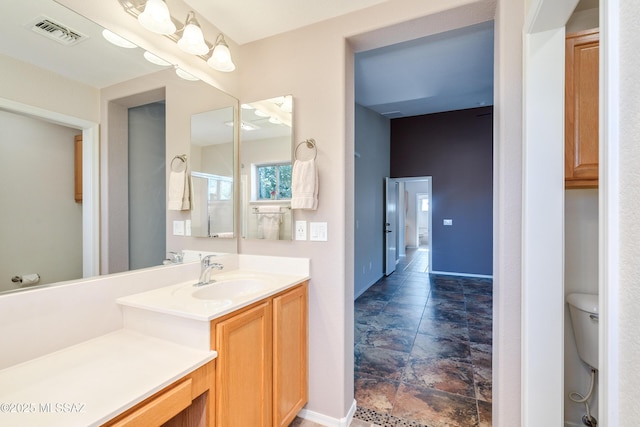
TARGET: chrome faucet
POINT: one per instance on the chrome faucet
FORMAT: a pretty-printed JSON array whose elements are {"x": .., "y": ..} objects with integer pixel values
[
  {"x": 173, "y": 258},
  {"x": 205, "y": 272}
]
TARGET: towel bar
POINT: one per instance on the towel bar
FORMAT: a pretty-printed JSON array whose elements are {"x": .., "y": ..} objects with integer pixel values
[{"x": 311, "y": 145}]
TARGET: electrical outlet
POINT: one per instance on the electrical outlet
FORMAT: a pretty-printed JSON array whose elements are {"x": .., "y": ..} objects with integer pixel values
[
  {"x": 301, "y": 230},
  {"x": 447, "y": 222},
  {"x": 187, "y": 227}
]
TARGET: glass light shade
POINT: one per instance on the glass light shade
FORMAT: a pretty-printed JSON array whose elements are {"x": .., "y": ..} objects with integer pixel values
[
  {"x": 155, "y": 59},
  {"x": 186, "y": 76},
  {"x": 275, "y": 120},
  {"x": 287, "y": 104},
  {"x": 156, "y": 18},
  {"x": 115, "y": 39},
  {"x": 192, "y": 40},
  {"x": 221, "y": 58}
]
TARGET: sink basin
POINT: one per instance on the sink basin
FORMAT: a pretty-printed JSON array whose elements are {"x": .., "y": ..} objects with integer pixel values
[{"x": 231, "y": 289}]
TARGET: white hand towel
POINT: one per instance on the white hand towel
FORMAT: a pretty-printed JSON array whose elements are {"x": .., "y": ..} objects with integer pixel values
[
  {"x": 177, "y": 186},
  {"x": 304, "y": 185}
]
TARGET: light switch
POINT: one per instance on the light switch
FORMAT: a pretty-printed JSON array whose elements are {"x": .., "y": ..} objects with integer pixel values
[
  {"x": 318, "y": 231},
  {"x": 178, "y": 228},
  {"x": 187, "y": 227},
  {"x": 447, "y": 222}
]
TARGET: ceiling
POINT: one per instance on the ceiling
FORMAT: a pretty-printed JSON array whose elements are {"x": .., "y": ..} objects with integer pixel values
[
  {"x": 102, "y": 64},
  {"x": 250, "y": 20},
  {"x": 442, "y": 72}
]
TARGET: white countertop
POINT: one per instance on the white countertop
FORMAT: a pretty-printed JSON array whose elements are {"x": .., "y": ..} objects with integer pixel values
[
  {"x": 179, "y": 300},
  {"x": 90, "y": 383}
]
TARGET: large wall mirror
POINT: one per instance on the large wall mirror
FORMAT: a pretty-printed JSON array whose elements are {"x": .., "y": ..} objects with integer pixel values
[
  {"x": 132, "y": 113},
  {"x": 266, "y": 135}
]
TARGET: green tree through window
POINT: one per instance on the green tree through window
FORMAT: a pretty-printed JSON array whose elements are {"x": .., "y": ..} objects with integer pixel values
[{"x": 274, "y": 181}]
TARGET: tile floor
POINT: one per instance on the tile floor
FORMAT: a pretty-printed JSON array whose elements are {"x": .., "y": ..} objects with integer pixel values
[{"x": 422, "y": 350}]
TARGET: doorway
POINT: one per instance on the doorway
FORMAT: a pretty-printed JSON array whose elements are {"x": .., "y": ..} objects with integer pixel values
[{"x": 411, "y": 244}]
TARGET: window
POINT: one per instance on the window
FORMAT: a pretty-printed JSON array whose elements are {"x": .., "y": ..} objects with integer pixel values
[{"x": 274, "y": 181}]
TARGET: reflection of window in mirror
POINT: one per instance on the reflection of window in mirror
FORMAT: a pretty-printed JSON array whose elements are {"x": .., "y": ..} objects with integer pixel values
[
  {"x": 265, "y": 168},
  {"x": 273, "y": 181}
]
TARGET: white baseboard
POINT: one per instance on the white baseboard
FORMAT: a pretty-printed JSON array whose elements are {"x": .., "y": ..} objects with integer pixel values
[
  {"x": 451, "y": 273},
  {"x": 325, "y": 420}
]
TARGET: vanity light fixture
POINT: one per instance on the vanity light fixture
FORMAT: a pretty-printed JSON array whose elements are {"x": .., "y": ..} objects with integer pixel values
[
  {"x": 260, "y": 113},
  {"x": 192, "y": 40},
  {"x": 154, "y": 16},
  {"x": 221, "y": 57},
  {"x": 275, "y": 120}
]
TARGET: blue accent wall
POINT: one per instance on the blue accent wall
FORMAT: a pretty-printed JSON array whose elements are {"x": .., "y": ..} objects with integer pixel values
[{"x": 456, "y": 149}]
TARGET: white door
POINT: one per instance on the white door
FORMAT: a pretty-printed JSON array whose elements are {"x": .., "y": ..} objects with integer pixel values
[{"x": 390, "y": 225}]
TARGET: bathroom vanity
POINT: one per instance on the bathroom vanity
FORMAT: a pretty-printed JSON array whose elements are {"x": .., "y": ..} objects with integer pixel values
[
  {"x": 256, "y": 323},
  {"x": 233, "y": 352}
]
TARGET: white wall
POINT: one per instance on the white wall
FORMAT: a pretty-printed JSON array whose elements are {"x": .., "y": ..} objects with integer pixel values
[
  {"x": 372, "y": 143},
  {"x": 628, "y": 316},
  {"x": 580, "y": 275},
  {"x": 507, "y": 214},
  {"x": 41, "y": 222},
  {"x": 412, "y": 220}
]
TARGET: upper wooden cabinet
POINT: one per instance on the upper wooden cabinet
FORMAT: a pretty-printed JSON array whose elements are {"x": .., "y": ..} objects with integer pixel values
[{"x": 581, "y": 109}]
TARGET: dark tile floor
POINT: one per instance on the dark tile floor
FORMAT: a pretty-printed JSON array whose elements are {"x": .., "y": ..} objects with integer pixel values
[{"x": 423, "y": 349}]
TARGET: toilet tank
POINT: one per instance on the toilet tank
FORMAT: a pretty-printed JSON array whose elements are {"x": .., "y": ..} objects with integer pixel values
[{"x": 583, "y": 309}]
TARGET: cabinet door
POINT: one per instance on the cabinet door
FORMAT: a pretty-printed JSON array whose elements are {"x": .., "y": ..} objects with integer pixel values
[
  {"x": 581, "y": 110},
  {"x": 290, "y": 355},
  {"x": 244, "y": 368}
]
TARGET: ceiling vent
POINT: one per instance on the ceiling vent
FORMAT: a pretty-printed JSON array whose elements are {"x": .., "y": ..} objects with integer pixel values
[{"x": 56, "y": 31}]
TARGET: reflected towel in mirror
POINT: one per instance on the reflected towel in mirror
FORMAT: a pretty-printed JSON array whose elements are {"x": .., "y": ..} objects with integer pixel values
[{"x": 269, "y": 219}]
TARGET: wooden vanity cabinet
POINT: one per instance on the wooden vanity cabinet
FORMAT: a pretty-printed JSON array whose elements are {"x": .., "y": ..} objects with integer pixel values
[
  {"x": 243, "y": 377},
  {"x": 290, "y": 355},
  {"x": 186, "y": 402},
  {"x": 261, "y": 368},
  {"x": 581, "y": 109}
]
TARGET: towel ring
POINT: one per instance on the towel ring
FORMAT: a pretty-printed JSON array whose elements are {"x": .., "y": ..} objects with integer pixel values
[
  {"x": 183, "y": 158},
  {"x": 311, "y": 145}
]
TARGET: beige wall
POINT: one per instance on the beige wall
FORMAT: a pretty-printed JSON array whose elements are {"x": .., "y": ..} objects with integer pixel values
[
  {"x": 39, "y": 88},
  {"x": 314, "y": 64}
]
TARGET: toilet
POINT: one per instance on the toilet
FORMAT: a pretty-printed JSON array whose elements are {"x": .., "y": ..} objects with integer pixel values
[{"x": 583, "y": 309}]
